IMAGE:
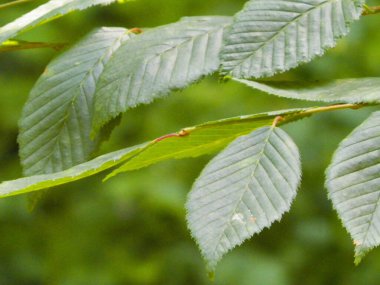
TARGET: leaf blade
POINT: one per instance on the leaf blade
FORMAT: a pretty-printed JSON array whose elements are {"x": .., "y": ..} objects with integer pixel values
[
  {"x": 56, "y": 121},
  {"x": 355, "y": 90},
  {"x": 352, "y": 181},
  {"x": 242, "y": 190},
  {"x": 273, "y": 36},
  {"x": 164, "y": 59}
]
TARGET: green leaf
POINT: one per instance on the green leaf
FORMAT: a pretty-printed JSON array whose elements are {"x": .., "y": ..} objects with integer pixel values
[
  {"x": 353, "y": 184},
  {"x": 268, "y": 37},
  {"x": 158, "y": 61},
  {"x": 199, "y": 140},
  {"x": 56, "y": 122},
  {"x": 243, "y": 190},
  {"x": 357, "y": 90},
  {"x": 45, "y": 13},
  {"x": 44, "y": 181}
]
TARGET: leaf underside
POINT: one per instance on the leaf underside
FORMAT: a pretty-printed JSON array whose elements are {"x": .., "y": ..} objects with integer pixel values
[
  {"x": 356, "y": 90},
  {"x": 273, "y": 36},
  {"x": 159, "y": 61},
  {"x": 56, "y": 121},
  {"x": 353, "y": 184},
  {"x": 201, "y": 139},
  {"x": 45, "y": 13},
  {"x": 243, "y": 190}
]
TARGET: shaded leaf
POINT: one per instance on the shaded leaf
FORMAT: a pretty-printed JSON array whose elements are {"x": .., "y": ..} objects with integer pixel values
[
  {"x": 158, "y": 61},
  {"x": 353, "y": 184},
  {"x": 268, "y": 37},
  {"x": 201, "y": 139},
  {"x": 45, "y": 13},
  {"x": 356, "y": 90},
  {"x": 56, "y": 121},
  {"x": 243, "y": 190}
]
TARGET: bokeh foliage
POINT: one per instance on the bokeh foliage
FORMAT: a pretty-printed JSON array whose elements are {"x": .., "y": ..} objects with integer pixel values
[{"x": 131, "y": 230}]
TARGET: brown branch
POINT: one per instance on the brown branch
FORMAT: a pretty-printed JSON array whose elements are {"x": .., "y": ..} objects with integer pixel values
[
  {"x": 276, "y": 121},
  {"x": 182, "y": 133}
]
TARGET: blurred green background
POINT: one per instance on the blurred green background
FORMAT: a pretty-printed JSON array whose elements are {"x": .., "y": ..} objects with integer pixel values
[{"x": 132, "y": 229}]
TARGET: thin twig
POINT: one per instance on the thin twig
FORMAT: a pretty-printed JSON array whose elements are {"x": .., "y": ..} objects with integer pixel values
[
  {"x": 334, "y": 108},
  {"x": 23, "y": 45},
  {"x": 182, "y": 133},
  {"x": 316, "y": 110},
  {"x": 14, "y": 3}
]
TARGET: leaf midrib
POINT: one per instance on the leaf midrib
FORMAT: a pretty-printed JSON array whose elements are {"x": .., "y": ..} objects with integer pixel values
[
  {"x": 377, "y": 207},
  {"x": 259, "y": 157}
]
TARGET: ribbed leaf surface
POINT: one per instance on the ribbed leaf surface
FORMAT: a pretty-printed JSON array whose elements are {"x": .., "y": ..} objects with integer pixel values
[
  {"x": 356, "y": 90},
  {"x": 243, "y": 190},
  {"x": 56, "y": 122},
  {"x": 271, "y": 36},
  {"x": 201, "y": 139},
  {"x": 45, "y": 13},
  {"x": 353, "y": 182},
  {"x": 158, "y": 61}
]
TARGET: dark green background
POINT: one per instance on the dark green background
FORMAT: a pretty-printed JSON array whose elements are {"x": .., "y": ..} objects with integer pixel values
[{"x": 132, "y": 229}]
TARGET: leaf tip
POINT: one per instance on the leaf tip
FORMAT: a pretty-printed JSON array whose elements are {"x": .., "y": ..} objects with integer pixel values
[
  {"x": 109, "y": 176},
  {"x": 360, "y": 252},
  {"x": 359, "y": 255},
  {"x": 358, "y": 260},
  {"x": 211, "y": 275}
]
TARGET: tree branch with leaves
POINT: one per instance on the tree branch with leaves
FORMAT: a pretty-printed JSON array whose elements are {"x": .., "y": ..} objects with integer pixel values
[{"x": 254, "y": 179}]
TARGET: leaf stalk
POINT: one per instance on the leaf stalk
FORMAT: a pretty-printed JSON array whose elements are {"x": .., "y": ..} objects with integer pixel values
[{"x": 323, "y": 109}]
